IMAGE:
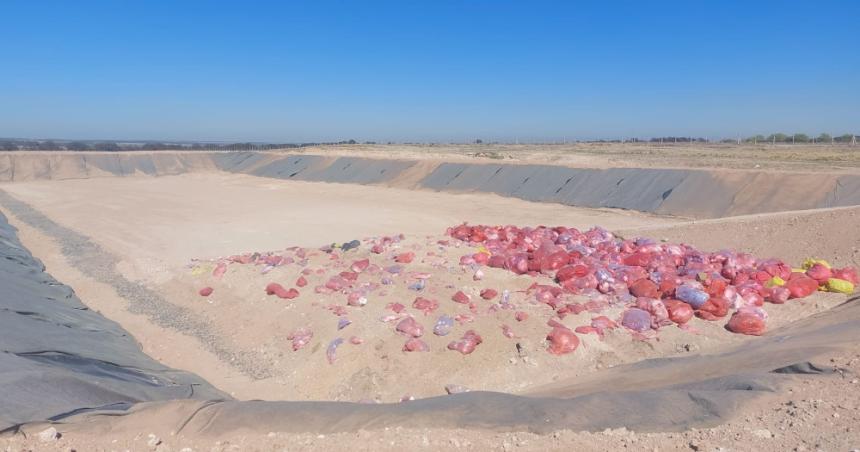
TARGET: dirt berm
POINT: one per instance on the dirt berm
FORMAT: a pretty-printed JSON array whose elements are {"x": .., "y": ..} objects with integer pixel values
[{"x": 696, "y": 193}]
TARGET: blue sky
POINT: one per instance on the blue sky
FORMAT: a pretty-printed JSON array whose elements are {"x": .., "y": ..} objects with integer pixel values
[{"x": 427, "y": 70}]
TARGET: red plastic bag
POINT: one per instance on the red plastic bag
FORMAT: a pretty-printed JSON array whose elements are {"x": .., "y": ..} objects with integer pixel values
[
  {"x": 206, "y": 291},
  {"x": 396, "y": 307},
  {"x": 644, "y": 288},
  {"x": 562, "y": 341},
  {"x": 405, "y": 258},
  {"x": 713, "y": 309},
  {"x": 481, "y": 258},
  {"x": 496, "y": 261},
  {"x": 349, "y": 276},
  {"x": 461, "y": 298},
  {"x": 679, "y": 312},
  {"x": 489, "y": 294},
  {"x": 801, "y": 285},
  {"x": 571, "y": 271},
  {"x": 746, "y": 323},
  {"x": 668, "y": 286},
  {"x": 638, "y": 259},
  {"x": 280, "y": 292}
]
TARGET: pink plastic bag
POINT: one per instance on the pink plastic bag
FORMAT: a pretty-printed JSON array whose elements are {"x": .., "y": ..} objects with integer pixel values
[
  {"x": 300, "y": 338},
  {"x": 301, "y": 282},
  {"x": 425, "y": 305},
  {"x": 360, "y": 265},
  {"x": 410, "y": 327},
  {"x": 415, "y": 345},
  {"x": 467, "y": 343}
]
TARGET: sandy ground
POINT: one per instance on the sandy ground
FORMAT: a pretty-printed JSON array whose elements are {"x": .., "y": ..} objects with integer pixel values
[
  {"x": 158, "y": 224},
  {"x": 767, "y": 157},
  {"x": 154, "y": 226},
  {"x": 167, "y": 220}
]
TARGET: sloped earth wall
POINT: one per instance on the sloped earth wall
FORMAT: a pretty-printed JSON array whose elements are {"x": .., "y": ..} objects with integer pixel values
[
  {"x": 59, "y": 357},
  {"x": 695, "y": 193}
]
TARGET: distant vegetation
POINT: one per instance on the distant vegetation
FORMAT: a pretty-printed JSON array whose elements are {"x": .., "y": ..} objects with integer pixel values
[
  {"x": 112, "y": 146},
  {"x": 802, "y": 138},
  {"x": 8, "y": 144}
]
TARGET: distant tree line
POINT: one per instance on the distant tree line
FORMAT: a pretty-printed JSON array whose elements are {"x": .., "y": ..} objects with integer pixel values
[
  {"x": 677, "y": 140},
  {"x": 112, "y": 146},
  {"x": 801, "y": 138}
]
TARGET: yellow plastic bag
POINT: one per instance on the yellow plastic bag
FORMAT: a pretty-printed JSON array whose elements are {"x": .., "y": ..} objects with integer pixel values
[
  {"x": 809, "y": 262},
  {"x": 840, "y": 286},
  {"x": 775, "y": 281},
  {"x": 202, "y": 268}
]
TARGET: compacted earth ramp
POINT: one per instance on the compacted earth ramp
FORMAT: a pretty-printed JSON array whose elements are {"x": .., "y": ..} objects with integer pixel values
[
  {"x": 697, "y": 193},
  {"x": 58, "y": 357}
]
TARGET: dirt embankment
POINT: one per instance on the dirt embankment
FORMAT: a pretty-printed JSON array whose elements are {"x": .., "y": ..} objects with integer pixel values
[{"x": 677, "y": 191}]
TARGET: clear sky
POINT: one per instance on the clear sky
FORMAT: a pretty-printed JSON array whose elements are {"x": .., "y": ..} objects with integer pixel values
[{"x": 428, "y": 70}]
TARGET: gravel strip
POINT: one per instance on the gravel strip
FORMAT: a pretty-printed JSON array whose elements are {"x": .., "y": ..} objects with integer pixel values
[{"x": 94, "y": 262}]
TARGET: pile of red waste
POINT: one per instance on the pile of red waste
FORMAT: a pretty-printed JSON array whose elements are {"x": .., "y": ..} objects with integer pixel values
[{"x": 659, "y": 284}]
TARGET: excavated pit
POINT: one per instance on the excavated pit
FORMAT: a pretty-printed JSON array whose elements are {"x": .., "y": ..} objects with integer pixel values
[{"x": 122, "y": 230}]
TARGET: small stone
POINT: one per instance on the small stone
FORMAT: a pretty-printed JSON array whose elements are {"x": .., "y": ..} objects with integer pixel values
[
  {"x": 153, "y": 440},
  {"x": 49, "y": 434},
  {"x": 455, "y": 389},
  {"x": 763, "y": 433}
]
